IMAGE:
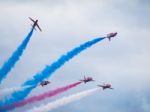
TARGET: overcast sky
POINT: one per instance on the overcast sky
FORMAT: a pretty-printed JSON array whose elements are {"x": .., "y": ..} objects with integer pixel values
[{"x": 124, "y": 62}]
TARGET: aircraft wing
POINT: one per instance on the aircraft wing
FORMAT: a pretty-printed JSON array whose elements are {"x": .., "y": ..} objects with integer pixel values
[
  {"x": 100, "y": 85},
  {"x": 31, "y": 19},
  {"x": 39, "y": 27}
]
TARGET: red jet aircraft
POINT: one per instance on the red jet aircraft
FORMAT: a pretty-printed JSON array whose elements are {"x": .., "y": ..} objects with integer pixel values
[
  {"x": 35, "y": 23},
  {"x": 87, "y": 79},
  {"x": 43, "y": 83},
  {"x": 105, "y": 86},
  {"x": 110, "y": 35}
]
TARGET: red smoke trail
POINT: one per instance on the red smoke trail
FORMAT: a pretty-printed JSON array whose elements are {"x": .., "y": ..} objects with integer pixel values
[{"x": 39, "y": 97}]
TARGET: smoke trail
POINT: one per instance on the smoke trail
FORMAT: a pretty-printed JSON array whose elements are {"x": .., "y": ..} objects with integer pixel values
[
  {"x": 10, "y": 63},
  {"x": 63, "y": 101},
  {"x": 48, "y": 71},
  {"x": 6, "y": 91},
  {"x": 32, "y": 99}
]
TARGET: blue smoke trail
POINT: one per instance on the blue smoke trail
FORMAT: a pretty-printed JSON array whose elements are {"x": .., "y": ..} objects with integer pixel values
[
  {"x": 48, "y": 70},
  {"x": 10, "y": 63}
]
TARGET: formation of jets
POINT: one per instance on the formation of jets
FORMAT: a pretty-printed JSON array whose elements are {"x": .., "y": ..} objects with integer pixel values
[
  {"x": 86, "y": 79},
  {"x": 35, "y": 24}
]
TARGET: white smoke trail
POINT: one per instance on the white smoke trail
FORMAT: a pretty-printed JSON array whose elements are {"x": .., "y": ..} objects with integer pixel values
[
  {"x": 5, "y": 92},
  {"x": 63, "y": 101}
]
